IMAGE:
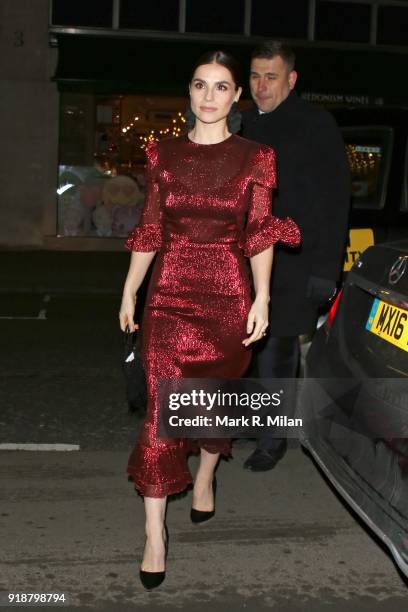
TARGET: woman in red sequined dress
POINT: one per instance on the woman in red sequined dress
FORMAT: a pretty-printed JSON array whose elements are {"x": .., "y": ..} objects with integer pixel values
[{"x": 208, "y": 206}]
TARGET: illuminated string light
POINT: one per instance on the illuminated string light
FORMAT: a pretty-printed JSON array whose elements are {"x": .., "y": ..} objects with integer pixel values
[{"x": 175, "y": 129}]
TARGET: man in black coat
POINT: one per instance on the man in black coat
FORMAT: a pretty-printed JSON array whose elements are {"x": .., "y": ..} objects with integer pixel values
[{"x": 313, "y": 188}]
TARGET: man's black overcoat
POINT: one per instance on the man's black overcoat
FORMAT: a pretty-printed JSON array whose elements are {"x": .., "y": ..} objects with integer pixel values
[{"x": 314, "y": 189}]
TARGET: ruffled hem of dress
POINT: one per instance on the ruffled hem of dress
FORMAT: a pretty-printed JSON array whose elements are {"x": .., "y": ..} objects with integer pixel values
[
  {"x": 146, "y": 460},
  {"x": 159, "y": 470},
  {"x": 271, "y": 230},
  {"x": 145, "y": 238}
]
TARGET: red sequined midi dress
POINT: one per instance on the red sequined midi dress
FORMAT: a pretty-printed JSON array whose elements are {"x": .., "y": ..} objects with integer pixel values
[{"x": 207, "y": 208}]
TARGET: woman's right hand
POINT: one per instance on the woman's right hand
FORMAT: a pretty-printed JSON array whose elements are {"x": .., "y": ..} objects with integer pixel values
[{"x": 127, "y": 312}]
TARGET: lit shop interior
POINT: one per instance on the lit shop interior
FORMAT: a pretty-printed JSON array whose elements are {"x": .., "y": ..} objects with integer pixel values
[
  {"x": 101, "y": 167},
  {"x": 102, "y": 159}
]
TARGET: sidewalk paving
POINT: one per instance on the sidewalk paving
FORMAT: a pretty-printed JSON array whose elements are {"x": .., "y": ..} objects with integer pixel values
[{"x": 71, "y": 522}]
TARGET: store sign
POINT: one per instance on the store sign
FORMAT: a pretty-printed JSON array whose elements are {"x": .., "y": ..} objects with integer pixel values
[{"x": 331, "y": 98}]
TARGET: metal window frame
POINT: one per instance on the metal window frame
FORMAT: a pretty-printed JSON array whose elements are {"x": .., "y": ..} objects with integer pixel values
[
  {"x": 247, "y": 17},
  {"x": 311, "y": 25},
  {"x": 246, "y": 33},
  {"x": 116, "y": 14},
  {"x": 182, "y": 16}
]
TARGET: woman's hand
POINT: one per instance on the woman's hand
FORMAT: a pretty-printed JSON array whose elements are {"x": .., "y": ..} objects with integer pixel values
[
  {"x": 257, "y": 321},
  {"x": 127, "y": 312}
]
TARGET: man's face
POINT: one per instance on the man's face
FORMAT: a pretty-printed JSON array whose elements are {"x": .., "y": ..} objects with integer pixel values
[{"x": 270, "y": 82}]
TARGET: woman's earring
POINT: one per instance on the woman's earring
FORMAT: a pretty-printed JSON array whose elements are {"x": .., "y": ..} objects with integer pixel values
[
  {"x": 234, "y": 119},
  {"x": 190, "y": 118}
]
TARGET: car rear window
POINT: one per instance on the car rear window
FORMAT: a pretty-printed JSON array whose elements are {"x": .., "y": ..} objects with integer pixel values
[{"x": 369, "y": 154}]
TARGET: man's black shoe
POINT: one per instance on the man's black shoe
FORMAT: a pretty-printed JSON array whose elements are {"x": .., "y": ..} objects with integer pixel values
[{"x": 263, "y": 460}]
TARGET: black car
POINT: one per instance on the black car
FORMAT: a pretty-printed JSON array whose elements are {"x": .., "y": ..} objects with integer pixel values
[
  {"x": 354, "y": 398},
  {"x": 377, "y": 149}
]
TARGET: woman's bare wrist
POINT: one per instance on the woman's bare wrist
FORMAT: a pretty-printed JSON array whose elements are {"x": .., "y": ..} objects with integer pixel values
[
  {"x": 262, "y": 297},
  {"x": 129, "y": 293}
]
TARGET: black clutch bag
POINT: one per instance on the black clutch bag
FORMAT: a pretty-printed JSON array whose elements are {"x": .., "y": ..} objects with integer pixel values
[{"x": 135, "y": 378}]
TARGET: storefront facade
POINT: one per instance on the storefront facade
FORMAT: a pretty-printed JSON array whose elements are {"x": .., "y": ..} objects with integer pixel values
[{"x": 88, "y": 87}]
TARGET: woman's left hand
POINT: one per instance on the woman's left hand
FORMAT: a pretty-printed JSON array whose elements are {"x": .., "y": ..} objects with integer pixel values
[{"x": 257, "y": 321}]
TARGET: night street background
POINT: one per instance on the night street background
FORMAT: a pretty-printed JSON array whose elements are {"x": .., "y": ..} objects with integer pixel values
[
  {"x": 71, "y": 522},
  {"x": 84, "y": 86}
]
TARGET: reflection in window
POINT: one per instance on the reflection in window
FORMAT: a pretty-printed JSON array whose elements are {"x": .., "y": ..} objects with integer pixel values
[
  {"x": 392, "y": 25},
  {"x": 151, "y": 15},
  {"x": 368, "y": 153},
  {"x": 281, "y": 19},
  {"x": 215, "y": 16},
  {"x": 341, "y": 21},
  {"x": 97, "y": 13},
  {"x": 102, "y": 159}
]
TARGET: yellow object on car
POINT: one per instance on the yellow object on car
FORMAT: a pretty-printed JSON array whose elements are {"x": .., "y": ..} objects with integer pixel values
[{"x": 359, "y": 241}]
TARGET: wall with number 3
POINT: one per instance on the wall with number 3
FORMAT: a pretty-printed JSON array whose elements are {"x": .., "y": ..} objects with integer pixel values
[{"x": 28, "y": 124}]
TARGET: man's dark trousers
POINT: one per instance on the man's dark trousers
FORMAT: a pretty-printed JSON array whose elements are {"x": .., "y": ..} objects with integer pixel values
[{"x": 277, "y": 358}]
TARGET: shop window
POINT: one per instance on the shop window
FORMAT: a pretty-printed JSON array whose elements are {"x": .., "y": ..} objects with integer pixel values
[
  {"x": 287, "y": 19},
  {"x": 102, "y": 158},
  {"x": 392, "y": 25},
  {"x": 151, "y": 15},
  {"x": 92, "y": 13},
  {"x": 369, "y": 154},
  {"x": 226, "y": 16},
  {"x": 341, "y": 21}
]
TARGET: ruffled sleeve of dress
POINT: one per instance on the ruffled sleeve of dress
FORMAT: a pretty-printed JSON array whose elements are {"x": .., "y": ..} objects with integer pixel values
[
  {"x": 262, "y": 228},
  {"x": 147, "y": 235}
]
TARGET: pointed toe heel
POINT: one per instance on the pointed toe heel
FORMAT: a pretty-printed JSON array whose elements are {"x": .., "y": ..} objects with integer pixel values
[
  {"x": 151, "y": 580},
  {"x": 200, "y": 516}
]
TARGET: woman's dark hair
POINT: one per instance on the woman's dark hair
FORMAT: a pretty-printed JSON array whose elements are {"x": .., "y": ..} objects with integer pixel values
[
  {"x": 224, "y": 59},
  {"x": 273, "y": 48}
]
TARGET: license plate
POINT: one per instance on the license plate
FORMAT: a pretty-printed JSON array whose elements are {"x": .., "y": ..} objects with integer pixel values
[{"x": 389, "y": 323}]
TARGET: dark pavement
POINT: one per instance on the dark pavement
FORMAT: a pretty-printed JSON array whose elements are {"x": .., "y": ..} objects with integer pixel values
[{"x": 70, "y": 521}]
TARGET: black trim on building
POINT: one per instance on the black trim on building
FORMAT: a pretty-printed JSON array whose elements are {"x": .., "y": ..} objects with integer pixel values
[{"x": 154, "y": 66}]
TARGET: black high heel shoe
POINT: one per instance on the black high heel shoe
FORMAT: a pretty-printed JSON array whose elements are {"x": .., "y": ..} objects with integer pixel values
[
  {"x": 151, "y": 580},
  {"x": 199, "y": 516}
]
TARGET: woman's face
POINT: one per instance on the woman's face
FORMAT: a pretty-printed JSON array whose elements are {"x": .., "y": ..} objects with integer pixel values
[{"x": 212, "y": 92}]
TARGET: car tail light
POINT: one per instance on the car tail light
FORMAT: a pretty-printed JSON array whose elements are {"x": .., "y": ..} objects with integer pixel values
[{"x": 332, "y": 312}]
